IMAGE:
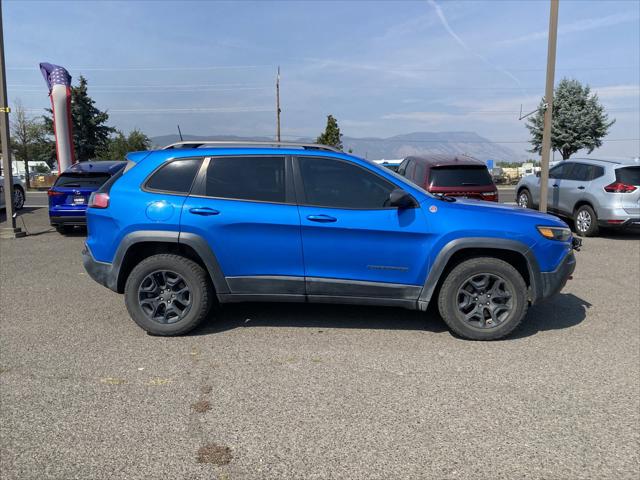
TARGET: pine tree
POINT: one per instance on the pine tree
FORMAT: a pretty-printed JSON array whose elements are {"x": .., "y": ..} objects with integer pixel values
[
  {"x": 119, "y": 145},
  {"x": 90, "y": 134},
  {"x": 579, "y": 120},
  {"x": 331, "y": 135}
]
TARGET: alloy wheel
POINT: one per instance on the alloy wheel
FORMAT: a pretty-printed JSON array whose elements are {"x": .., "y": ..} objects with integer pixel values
[
  {"x": 523, "y": 200},
  {"x": 164, "y": 296},
  {"x": 18, "y": 199},
  {"x": 583, "y": 221},
  {"x": 485, "y": 300}
]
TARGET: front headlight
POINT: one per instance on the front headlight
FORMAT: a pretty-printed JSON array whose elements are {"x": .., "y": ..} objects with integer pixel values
[{"x": 561, "y": 234}]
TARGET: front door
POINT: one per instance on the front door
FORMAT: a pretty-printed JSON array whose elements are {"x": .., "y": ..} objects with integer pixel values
[
  {"x": 247, "y": 215},
  {"x": 354, "y": 243}
]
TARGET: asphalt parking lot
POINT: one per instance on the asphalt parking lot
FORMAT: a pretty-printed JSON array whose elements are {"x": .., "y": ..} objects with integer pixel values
[{"x": 313, "y": 391}]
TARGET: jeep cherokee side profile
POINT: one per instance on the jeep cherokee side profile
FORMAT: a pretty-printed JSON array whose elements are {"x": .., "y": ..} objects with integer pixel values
[{"x": 196, "y": 223}]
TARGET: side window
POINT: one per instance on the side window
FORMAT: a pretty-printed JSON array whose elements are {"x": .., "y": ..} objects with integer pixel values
[
  {"x": 595, "y": 172},
  {"x": 410, "y": 169},
  {"x": 558, "y": 171},
  {"x": 175, "y": 177},
  {"x": 579, "y": 172},
  {"x": 334, "y": 183},
  {"x": 246, "y": 178}
]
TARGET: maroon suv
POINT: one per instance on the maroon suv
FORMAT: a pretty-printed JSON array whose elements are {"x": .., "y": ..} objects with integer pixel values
[{"x": 450, "y": 175}]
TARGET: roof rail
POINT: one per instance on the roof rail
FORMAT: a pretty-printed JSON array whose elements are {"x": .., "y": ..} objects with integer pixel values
[{"x": 226, "y": 143}]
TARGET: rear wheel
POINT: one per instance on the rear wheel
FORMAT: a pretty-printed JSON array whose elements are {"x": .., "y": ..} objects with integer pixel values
[
  {"x": 585, "y": 221},
  {"x": 483, "y": 299},
  {"x": 168, "y": 294}
]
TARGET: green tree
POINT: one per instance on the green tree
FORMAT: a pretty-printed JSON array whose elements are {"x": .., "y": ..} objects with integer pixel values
[
  {"x": 579, "y": 120},
  {"x": 331, "y": 135},
  {"x": 90, "y": 132},
  {"x": 119, "y": 145},
  {"x": 28, "y": 138}
]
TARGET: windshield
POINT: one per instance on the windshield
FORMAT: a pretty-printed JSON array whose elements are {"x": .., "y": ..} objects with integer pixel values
[
  {"x": 81, "y": 179},
  {"x": 456, "y": 176}
]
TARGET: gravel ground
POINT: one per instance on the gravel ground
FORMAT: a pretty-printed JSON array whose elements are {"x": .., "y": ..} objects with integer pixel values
[{"x": 314, "y": 391}]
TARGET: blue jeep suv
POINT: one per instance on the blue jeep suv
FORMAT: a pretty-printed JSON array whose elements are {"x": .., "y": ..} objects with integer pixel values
[{"x": 182, "y": 228}]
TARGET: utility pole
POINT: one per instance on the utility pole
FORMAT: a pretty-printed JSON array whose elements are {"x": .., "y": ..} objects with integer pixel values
[
  {"x": 278, "y": 105},
  {"x": 548, "y": 98},
  {"x": 10, "y": 231}
]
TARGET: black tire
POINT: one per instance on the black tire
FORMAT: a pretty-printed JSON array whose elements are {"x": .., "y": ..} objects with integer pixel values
[
  {"x": 195, "y": 280},
  {"x": 18, "y": 198},
  {"x": 585, "y": 221},
  {"x": 64, "y": 229},
  {"x": 524, "y": 198},
  {"x": 512, "y": 310}
]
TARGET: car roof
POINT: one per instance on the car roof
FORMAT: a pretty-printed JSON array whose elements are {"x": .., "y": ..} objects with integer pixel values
[
  {"x": 99, "y": 166},
  {"x": 446, "y": 159},
  {"x": 608, "y": 161}
]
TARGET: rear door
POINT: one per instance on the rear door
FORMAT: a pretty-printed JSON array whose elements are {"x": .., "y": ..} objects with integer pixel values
[
  {"x": 245, "y": 210},
  {"x": 573, "y": 186},
  {"x": 354, "y": 244}
]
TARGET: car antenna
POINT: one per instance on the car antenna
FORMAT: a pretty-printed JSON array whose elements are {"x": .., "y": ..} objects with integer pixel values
[{"x": 179, "y": 132}]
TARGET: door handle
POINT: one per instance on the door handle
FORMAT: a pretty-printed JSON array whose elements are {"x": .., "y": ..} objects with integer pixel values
[
  {"x": 321, "y": 218},
  {"x": 580, "y": 187},
  {"x": 205, "y": 211}
]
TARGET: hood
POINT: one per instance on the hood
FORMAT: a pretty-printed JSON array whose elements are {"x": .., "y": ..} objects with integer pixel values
[{"x": 480, "y": 207}]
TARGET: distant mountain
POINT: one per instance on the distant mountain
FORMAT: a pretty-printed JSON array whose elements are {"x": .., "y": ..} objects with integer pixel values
[{"x": 399, "y": 146}]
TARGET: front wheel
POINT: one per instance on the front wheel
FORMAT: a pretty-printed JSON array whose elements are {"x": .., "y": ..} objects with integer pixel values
[
  {"x": 483, "y": 299},
  {"x": 524, "y": 199},
  {"x": 168, "y": 294}
]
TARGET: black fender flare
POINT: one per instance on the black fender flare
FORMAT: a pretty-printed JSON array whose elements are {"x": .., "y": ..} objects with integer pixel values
[
  {"x": 458, "y": 244},
  {"x": 196, "y": 242}
]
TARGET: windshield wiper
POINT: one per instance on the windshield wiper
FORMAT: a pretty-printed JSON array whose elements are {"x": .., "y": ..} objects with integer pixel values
[
  {"x": 470, "y": 183},
  {"x": 71, "y": 185}
]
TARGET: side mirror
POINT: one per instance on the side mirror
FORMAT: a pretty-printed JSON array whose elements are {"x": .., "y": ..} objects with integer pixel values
[{"x": 401, "y": 199}]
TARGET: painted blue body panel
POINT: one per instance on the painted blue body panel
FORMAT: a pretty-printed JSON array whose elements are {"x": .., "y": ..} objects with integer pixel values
[
  {"x": 261, "y": 238},
  {"x": 249, "y": 238}
]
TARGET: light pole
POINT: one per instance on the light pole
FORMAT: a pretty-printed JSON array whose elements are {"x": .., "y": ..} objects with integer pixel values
[
  {"x": 548, "y": 98},
  {"x": 10, "y": 230}
]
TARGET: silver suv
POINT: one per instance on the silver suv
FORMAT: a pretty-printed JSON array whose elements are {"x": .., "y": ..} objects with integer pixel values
[{"x": 592, "y": 193}]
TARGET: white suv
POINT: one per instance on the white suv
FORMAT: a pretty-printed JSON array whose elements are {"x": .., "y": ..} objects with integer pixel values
[
  {"x": 18, "y": 193},
  {"x": 593, "y": 193}
]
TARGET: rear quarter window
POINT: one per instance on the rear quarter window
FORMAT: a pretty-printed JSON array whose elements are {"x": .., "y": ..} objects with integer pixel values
[
  {"x": 175, "y": 177},
  {"x": 628, "y": 175},
  {"x": 457, "y": 176}
]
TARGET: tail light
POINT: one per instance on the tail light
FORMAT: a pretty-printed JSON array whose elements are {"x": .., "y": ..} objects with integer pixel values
[
  {"x": 54, "y": 193},
  {"x": 99, "y": 200},
  {"x": 619, "y": 187},
  {"x": 490, "y": 196}
]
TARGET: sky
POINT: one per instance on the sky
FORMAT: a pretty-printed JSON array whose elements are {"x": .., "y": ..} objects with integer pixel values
[{"x": 381, "y": 68}]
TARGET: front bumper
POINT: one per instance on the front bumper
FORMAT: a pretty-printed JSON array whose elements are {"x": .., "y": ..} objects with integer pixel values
[
  {"x": 553, "y": 282},
  {"x": 101, "y": 272}
]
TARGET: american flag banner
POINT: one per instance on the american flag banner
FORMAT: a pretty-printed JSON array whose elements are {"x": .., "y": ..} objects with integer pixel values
[{"x": 59, "y": 84}]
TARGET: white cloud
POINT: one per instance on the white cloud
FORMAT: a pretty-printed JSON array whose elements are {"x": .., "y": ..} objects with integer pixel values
[{"x": 577, "y": 26}]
